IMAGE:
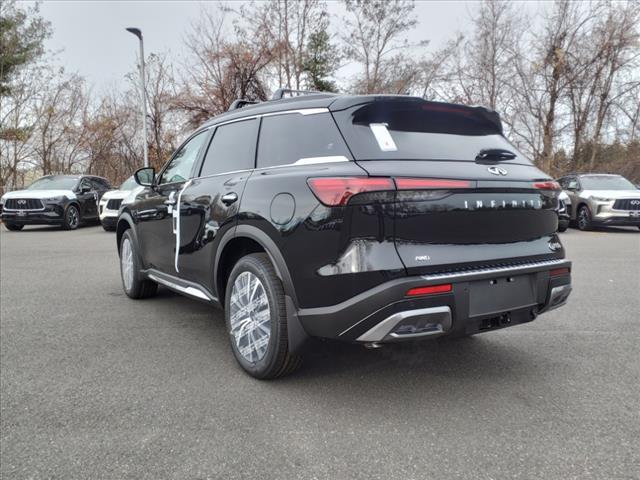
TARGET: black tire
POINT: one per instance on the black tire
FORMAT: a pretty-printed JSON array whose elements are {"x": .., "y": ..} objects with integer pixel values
[
  {"x": 562, "y": 227},
  {"x": 139, "y": 286},
  {"x": 109, "y": 229},
  {"x": 14, "y": 227},
  {"x": 71, "y": 219},
  {"x": 276, "y": 361},
  {"x": 584, "y": 218}
]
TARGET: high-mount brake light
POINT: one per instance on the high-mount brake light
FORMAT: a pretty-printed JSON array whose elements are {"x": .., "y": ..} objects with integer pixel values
[
  {"x": 547, "y": 186},
  {"x": 424, "y": 183},
  {"x": 336, "y": 191},
  {"x": 430, "y": 290}
]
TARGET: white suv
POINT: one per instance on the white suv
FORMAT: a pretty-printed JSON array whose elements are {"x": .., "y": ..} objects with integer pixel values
[{"x": 109, "y": 205}]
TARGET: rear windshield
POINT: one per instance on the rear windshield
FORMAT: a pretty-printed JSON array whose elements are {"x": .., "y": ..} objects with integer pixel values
[
  {"x": 415, "y": 130},
  {"x": 606, "y": 182}
]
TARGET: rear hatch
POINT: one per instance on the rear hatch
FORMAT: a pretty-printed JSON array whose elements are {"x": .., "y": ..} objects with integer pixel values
[{"x": 465, "y": 197}]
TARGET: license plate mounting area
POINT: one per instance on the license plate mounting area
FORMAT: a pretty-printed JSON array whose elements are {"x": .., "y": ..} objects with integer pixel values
[{"x": 501, "y": 294}]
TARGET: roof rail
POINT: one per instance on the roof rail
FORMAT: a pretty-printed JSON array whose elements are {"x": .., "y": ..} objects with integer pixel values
[
  {"x": 281, "y": 92},
  {"x": 241, "y": 102}
]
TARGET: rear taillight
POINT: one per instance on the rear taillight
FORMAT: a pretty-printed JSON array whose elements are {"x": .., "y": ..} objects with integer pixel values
[
  {"x": 430, "y": 290},
  {"x": 424, "y": 183},
  {"x": 547, "y": 186},
  {"x": 558, "y": 272},
  {"x": 335, "y": 192}
]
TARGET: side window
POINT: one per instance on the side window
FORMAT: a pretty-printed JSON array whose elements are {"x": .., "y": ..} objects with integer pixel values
[
  {"x": 285, "y": 139},
  {"x": 85, "y": 182},
  {"x": 232, "y": 148},
  {"x": 99, "y": 184},
  {"x": 179, "y": 168},
  {"x": 572, "y": 183}
]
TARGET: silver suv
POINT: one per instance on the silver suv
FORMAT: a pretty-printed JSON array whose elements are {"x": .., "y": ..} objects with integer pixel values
[{"x": 602, "y": 199}]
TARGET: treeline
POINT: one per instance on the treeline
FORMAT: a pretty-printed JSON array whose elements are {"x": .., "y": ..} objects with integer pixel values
[{"x": 566, "y": 80}]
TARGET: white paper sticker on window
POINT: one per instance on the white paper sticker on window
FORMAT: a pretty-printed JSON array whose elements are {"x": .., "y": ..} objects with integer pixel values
[{"x": 385, "y": 142}]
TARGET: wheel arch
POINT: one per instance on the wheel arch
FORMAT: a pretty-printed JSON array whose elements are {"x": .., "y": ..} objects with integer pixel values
[
  {"x": 240, "y": 241},
  {"x": 125, "y": 222},
  {"x": 76, "y": 203}
]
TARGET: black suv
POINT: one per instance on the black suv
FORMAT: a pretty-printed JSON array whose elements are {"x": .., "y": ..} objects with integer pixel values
[
  {"x": 367, "y": 219},
  {"x": 65, "y": 200}
]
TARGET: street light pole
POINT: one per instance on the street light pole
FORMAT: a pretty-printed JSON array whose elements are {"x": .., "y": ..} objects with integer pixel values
[{"x": 143, "y": 93}]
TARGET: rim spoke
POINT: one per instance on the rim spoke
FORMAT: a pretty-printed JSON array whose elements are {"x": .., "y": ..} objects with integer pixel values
[{"x": 250, "y": 318}]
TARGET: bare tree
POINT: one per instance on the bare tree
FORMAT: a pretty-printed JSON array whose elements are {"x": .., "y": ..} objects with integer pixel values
[
  {"x": 287, "y": 26},
  {"x": 221, "y": 70},
  {"x": 59, "y": 134},
  {"x": 164, "y": 122},
  {"x": 542, "y": 77},
  {"x": 377, "y": 41},
  {"x": 619, "y": 38}
]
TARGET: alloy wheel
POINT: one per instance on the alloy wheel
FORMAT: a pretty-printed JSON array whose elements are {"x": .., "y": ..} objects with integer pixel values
[
  {"x": 73, "y": 217},
  {"x": 126, "y": 259},
  {"x": 250, "y": 317},
  {"x": 583, "y": 218}
]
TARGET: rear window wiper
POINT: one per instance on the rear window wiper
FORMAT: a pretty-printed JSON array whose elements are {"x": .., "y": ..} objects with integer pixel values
[{"x": 494, "y": 155}]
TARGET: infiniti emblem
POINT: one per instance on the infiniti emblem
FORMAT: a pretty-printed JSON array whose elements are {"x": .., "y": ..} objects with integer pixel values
[
  {"x": 554, "y": 246},
  {"x": 22, "y": 202},
  {"x": 635, "y": 202},
  {"x": 497, "y": 171}
]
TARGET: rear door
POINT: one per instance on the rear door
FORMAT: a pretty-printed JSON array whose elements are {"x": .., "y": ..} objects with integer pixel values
[
  {"x": 209, "y": 204},
  {"x": 464, "y": 195}
]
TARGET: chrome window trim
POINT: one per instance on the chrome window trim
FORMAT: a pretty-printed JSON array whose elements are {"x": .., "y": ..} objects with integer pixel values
[
  {"x": 302, "y": 111},
  {"x": 298, "y": 163}
]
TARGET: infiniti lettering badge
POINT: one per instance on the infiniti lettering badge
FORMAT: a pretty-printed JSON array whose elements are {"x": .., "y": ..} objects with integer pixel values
[{"x": 497, "y": 171}]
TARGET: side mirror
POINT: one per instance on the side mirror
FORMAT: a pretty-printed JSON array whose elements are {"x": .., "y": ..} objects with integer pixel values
[
  {"x": 85, "y": 188},
  {"x": 145, "y": 176}
]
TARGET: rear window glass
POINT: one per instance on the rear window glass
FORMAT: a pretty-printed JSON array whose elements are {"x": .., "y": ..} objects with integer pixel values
[
  {"x": 289, "y": 138},
  {"x": 232, "y": 148},
  {"x": 414, "y": 130}
]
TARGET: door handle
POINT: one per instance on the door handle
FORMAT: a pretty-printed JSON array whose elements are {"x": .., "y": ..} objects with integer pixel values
[
  {"x": 171, "y": 200},
  {"x": 229, "y": 198}
]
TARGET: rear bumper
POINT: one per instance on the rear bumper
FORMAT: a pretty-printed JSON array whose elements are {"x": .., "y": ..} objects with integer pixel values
[{"x": 479, "y": 300}]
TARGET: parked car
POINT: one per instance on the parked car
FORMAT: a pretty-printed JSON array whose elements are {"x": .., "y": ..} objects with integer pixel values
[
  {"x": 110, "y": 203},
  {"x": 564, "y": 207},
  {"x": 65, "y": 200},
  {"x": 599, "y": 199},
  {"x": 367, "y": 219}
]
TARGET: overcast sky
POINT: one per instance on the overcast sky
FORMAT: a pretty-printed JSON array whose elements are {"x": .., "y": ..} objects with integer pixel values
[{"x": 91, "y": 40}]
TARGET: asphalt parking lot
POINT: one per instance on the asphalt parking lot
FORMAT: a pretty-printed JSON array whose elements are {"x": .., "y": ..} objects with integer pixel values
[{"x": 94, "y": 385}]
